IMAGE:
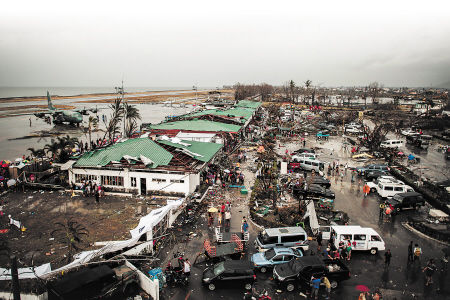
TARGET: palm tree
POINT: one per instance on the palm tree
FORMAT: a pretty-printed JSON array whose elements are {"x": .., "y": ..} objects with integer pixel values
[
  {"x": 70, "y": 233},
  {"x": 308, "y": 84},
  {"x": 131, "y": 116},
  {"x": 53, "y": 147},
  {"x": 92, "y": 124},
  {"x": 38, "y": 153},
  {"x": 292, "y": 89},
  {"x": 112, "y": 128}
]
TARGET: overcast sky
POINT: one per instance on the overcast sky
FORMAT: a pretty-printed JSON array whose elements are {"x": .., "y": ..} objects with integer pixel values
[{"x": 212, "y": 43}]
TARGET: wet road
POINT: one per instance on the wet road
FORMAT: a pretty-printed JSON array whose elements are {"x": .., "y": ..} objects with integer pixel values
[{"x": 399, "y": 281}]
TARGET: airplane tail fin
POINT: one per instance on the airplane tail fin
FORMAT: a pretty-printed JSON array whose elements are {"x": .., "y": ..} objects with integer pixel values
[{"x": 49, "y": 100}]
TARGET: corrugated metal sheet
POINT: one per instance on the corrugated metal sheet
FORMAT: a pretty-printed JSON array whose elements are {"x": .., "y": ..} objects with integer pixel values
[
  {"x": 248, "y": 103},
  {"x": 206, "y": 150},
  {"x": 233, "y": 112},
  {"x": 132, "y": 147},
  {"x": 198, "y": 125}
]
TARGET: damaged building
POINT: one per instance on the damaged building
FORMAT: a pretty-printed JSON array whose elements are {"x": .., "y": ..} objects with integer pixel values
[{"x": 166, "y": 166}]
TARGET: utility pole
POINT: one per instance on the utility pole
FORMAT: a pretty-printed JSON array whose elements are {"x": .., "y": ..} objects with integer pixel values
[
  {"x": 15, "y": 278},
  {"x": 119, "y": 90},
  {"x": 195, "y": 89}
]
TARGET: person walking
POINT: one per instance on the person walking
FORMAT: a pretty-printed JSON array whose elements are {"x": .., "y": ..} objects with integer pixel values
[
  {"x": 319, "y": 242},
  {"x": 97, "y": 196},
  {"x": 315, "y": 287},
  {"x": 244, "y": 227},
  {"x": 410, "y": 252},
  {"x": 417, "y": 252},
  {"x": 327, "y": 286},
  {"x": 366, "y": 190},
  {"x": 210, "y": 219},
  {"x": 387, "y": 258},
  {"x": 219, "y": 219},
  {"x": 349, "y": 250},
  {"x": 227, "y": 219},
  {"x": 382, "y": 206},
  {"x": 429, "y": 270},
  {"x": 187, "y": 267}
]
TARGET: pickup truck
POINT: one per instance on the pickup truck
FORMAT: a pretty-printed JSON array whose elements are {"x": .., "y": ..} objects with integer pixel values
[{"x": 298, "y": 272}]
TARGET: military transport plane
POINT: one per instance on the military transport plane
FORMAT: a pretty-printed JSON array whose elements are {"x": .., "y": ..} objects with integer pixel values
[{"x": 64, "y": 116}]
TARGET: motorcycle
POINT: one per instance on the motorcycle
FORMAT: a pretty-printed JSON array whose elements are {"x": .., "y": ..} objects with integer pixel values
[
  {"x": 175, "y": 275},
  {"x": 255, "y": 295}
]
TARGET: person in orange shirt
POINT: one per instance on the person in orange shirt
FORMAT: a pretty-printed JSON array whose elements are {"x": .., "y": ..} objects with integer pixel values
[{"x": 366, "y": 190}]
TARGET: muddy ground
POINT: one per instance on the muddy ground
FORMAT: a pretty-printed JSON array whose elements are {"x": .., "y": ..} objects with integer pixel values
[{"x": 110, "y": 220}]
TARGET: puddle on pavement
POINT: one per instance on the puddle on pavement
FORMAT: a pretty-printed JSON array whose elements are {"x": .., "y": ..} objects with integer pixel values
[{"x": 76, "y": 206}]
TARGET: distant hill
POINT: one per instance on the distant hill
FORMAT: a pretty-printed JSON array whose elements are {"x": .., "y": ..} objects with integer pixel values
[{"x": 445, "y": 85}]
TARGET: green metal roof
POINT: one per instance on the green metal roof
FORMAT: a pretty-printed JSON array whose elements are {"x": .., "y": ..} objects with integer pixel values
[
  {"x": 244, "y": 112},
  {"x": 206, "y": 150},
  {"x": 197, "y": 125},
  {"x": 132, "y": 147},
  {"x": 249, "y": 104}
]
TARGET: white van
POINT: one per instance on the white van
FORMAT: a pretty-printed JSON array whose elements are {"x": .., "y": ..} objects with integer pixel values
[
  {"x": 389, "y": 189},
  {"x": 382, "y": 179},
  {"x": 299, "y": 156},
  {"x": 311, "y": 164},
  {"x": 290, "y": 237},
  {"x": 361, "y": 238},
  {"x": 392, "y": 144}
]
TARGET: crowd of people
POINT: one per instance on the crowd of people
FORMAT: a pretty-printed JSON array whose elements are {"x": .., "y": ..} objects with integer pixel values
[{"x": 89, "y": 189}]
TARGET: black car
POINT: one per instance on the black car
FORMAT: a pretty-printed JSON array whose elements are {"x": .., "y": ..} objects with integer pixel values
[
  {"x": 298, "y": 272},
  {"x": 315, "y": 190},
  {"x": 366, "y": 168},
  {"x": 319, "y": 180},
  {"x": 229, "y": 274},
  {"x": 406, "y": 200},
  {"x": 374, "y": 174}
]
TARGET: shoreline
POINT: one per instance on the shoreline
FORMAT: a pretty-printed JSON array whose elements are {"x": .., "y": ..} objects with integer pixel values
[{"x": 131, "y": 94}]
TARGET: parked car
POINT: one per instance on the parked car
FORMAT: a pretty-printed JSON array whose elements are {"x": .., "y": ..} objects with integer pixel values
[
  {"x": 303, "y": 150},
  {"x": 298, "y": 272},
  {"x": 272, "y": 257},
  {"x": 392, "y": 144},
  {"x": 361, "y": 238},
  {"x": 383, "y": 179},
  {"x": 311, "y": 164},
  {"x": 229, "y": 274},
  {"x": 374, "y": 174},
  {"x": 389, "y": 189},
  {"x": 297, "y": 157},
  {"x": 289, "y": 237},
  {"x": 406, "y": 200},
  {"x": 319, "y": 180},
  {"x": 409, "y": 131},
  {"x": 353, "y": 129},
  {"x": 419, "y": 140},
  {"x": 366, "y": 168},
  {"x": 316, "y": 190}
]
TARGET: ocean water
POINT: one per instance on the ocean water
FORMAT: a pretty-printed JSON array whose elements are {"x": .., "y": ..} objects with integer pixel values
[{"x": 7, "y": 92}]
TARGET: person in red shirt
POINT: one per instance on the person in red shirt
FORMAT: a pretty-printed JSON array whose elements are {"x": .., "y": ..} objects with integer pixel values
[{"x": 222, "y": 209}]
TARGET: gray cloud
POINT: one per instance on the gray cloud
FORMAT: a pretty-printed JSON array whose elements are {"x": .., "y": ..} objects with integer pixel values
[{"x": 181, "y": 43}]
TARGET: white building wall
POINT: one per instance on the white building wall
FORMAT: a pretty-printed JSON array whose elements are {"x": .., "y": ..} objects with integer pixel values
[
  {"x": 194, "y": 181},
  {"x": 168, "y": 184}
]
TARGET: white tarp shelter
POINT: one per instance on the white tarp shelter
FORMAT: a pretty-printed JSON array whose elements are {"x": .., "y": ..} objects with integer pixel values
[
  {"x": 26, "y": 273},
  {"x": 311, "y": 213}
]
